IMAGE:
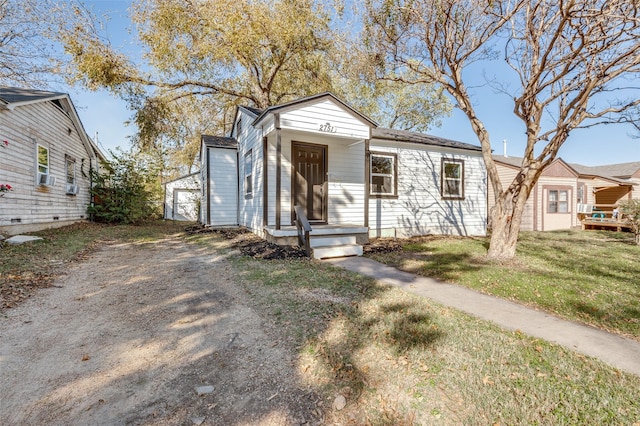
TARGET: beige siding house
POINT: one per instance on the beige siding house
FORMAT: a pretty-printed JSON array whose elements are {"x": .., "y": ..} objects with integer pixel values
[
  {"x": 318, "y": 164},
  {"x": 572, "y": 195},
  {"x": 45, "y": 156}
]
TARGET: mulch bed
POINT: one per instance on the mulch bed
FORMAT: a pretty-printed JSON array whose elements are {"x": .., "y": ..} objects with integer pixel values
[{"x": 250, "y": 244}]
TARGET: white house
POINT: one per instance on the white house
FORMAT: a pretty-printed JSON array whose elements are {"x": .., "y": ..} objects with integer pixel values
[
  {"x": 182, "y": 198},
  {"x": 45, "y": 156},
  {"x": 319, "y": 160}
]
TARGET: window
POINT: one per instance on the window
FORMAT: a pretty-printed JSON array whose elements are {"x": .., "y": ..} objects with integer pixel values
[
  {"x": 43, "y": 160},
  {"x": 42, "y": 177},
  {"x": 70, "y": 167},
  {"x": 384, "y": 174},
  {"x": 558, "y": 201},
  {"x": 248, "y": 173},
  {"x": 452, "y": 184}
]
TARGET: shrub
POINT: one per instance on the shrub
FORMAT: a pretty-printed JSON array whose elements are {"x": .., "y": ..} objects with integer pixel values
[{"x": 124, "y": 190}]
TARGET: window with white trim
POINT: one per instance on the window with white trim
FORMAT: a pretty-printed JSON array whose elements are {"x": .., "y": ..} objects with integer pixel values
[
  {"x": 70, "y": 168},
  {"x": 452, "y": 179},
  {"x": 248, "y": 173},
  {"x": 383, "y": 174},
  {"x": 43, "y": 164}
]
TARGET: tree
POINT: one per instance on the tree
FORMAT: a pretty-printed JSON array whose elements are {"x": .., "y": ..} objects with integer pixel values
[
  {"x": 235, "y": 51},
  {"x": 631, "y": 214},
  {"x": 204, "y": 58},
  {"x": 26, "y": 56},
  {"x": 566, "y": 57}
]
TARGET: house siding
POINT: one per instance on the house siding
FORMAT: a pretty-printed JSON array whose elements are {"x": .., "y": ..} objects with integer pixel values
[
  {"x": 506, "y": 175},
  {"x": 419, "y": 208},
  {"x": 181, "y": 198},
  {"x": 549, "y": 221},
  {"x": 223, "y": 186},
  {"x": 30, "y": 206},
  {"x": 250, "y": 139},
  {"x": 326, "y": 115}
]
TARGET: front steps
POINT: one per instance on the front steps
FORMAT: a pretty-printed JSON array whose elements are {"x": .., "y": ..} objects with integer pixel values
[
  {"x": 329, "y": 246},
  {"x": 325, "y": 241}
]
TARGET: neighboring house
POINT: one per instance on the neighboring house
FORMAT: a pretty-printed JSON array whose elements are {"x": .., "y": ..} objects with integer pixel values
[
  {"x": 45, "y": 155},
  {"x": 349, "y": 179},
  {"x": 568, "y": 195},
  {"x": 182, "y": 198}
]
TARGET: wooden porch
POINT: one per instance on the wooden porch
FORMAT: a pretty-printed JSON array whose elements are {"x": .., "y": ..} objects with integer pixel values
[{"x": 605, "y": 223}]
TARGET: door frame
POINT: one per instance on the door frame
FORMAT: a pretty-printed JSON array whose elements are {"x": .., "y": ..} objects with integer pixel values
[{"x": 325, "y": 192}]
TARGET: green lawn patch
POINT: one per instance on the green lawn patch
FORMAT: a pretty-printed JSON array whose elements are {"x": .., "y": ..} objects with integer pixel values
[{"x": 587, "y": 276}]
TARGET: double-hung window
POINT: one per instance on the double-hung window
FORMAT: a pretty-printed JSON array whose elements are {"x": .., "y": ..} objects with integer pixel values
[
  {"x": 558, "y": 201},
  {"x": 384, "y": 174},
  {"x": 248, "y": 173},
  {"x": 452, "y": 179}
]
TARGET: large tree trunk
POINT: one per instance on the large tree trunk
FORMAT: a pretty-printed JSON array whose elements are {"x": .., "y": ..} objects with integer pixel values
[
  {"x": 505, "y": 229},
  {"x": 506, "y": 214}
]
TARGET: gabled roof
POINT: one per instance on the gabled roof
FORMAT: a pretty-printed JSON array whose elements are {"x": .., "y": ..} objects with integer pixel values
[
  {"x": 14, "y": 97},
  {"x": 510, "y": 161},
  {"x": 420, "y": 138},
  {"x": 622, "y": 170},
  {"x": 326, "y": 95},
  {"x": 219, "y": 142},
  {"x": 612, "y": 172},
  {"x": 254, "y": 111}
]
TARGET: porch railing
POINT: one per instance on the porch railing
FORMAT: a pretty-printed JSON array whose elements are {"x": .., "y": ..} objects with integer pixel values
[{"x": 302, "y": 224}]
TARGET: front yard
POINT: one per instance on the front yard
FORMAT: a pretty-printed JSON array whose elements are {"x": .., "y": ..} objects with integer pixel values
[
  {"x": 380, "y": 356},
  {"x": 587, "y": 276}
]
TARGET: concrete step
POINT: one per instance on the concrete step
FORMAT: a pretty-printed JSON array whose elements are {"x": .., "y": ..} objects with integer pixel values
[
  {"x": 326, "y": 252},
  {"x": 332, "y": 240}
]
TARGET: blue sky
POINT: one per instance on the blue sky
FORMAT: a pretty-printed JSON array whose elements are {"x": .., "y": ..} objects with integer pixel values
[{"x": 101, "y": 112}]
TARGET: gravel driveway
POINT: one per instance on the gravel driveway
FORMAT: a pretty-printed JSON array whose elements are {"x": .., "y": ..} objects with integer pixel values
[{"x": 154, "y": 333}]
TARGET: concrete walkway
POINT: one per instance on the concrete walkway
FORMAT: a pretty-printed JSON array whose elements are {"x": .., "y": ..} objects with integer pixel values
[{"x": 615, "y": 350}]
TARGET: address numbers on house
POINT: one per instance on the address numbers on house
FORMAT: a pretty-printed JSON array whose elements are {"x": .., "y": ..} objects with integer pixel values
[{"x": 328, "y": 128}]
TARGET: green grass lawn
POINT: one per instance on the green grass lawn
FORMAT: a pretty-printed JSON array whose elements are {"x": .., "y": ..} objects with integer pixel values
[{"x": 588, "y": 276}]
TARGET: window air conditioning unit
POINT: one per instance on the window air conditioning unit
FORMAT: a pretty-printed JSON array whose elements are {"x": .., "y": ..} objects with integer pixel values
[
  {"x": 585, "y": 208},
  {"x": 72, "y": 189},
  {"x": 46, "y": 179}
]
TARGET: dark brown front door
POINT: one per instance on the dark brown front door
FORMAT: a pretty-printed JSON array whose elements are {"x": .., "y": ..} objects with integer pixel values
[{"x": 309, "y": 180}]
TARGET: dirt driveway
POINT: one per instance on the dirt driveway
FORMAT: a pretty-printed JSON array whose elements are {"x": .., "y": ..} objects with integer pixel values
[{"x": 134, "y": 334}]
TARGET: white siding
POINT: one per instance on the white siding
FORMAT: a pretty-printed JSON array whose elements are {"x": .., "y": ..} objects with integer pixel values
[
  {"x": 223, "y": 186},
  {"x": 30, "y": 204},
  {"x": 325, "y": 114},
  {"x": 182, "y": 198},
  {"x": 346, "y": 183},
  {"x": 250, "y": 139},
  {"x": 419, "y": 208}
]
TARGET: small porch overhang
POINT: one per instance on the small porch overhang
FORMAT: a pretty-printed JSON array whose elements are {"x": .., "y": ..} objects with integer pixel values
[{"x": 317, "y": 123}]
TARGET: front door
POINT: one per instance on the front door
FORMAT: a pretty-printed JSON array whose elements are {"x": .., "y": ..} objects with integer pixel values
[{"x": 310, "y": 180}]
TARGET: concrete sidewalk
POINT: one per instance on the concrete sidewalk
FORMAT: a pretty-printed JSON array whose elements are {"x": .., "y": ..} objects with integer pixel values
[{"x": 615, "y": 350}]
